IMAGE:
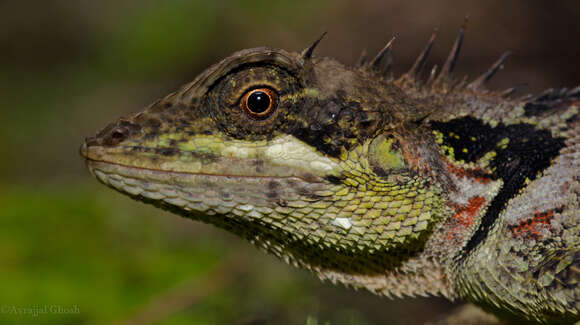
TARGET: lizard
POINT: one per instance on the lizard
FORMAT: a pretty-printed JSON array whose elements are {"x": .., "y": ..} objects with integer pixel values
[{"x": 423, "y": 184}]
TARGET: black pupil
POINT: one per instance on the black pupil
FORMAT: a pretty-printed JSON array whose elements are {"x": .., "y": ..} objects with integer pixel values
[{"x": 258, "y": 102}]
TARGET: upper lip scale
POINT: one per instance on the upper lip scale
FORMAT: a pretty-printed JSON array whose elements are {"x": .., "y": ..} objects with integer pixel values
[{"x": 89, "y": 160}]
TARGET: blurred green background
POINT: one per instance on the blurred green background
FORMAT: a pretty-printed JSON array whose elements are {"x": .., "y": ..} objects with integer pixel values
[{"x": 69, "y": 67}]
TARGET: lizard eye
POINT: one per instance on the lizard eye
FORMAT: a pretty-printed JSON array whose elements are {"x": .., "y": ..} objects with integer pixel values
[{"x": 259, "y": 103}]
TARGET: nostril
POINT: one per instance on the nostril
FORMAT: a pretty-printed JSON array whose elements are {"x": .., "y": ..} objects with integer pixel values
[{"x": 114, "y": 133}]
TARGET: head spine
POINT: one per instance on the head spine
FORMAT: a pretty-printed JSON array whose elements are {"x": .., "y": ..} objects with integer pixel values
[{"x": 306, "y": 54}]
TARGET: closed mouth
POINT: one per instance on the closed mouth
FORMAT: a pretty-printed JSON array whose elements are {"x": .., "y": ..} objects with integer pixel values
[{"x": 132, "y": 171}]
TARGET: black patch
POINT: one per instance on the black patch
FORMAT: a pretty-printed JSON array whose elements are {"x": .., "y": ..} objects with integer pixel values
[
  {"x": 316, "y": 138},
  {"x": 332, "y": 124},
  {"x": 459, "y": 134},
  {"x": 529, "y": 152}
]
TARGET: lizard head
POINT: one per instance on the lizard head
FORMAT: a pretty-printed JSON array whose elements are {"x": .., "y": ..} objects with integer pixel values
[{"x": 303, "y": 156}]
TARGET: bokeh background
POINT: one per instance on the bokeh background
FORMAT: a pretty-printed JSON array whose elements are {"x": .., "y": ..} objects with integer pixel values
[{"x": 69, "y": 67}]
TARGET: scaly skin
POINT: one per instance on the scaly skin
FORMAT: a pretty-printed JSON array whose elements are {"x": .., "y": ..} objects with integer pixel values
[{"x": 402, "y": 187}]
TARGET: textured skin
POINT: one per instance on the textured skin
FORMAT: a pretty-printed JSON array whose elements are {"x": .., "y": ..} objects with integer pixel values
[{"x": 402, "y": 187}]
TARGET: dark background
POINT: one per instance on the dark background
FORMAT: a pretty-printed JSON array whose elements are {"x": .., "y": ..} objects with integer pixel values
[{"x": 69, "y": 67}]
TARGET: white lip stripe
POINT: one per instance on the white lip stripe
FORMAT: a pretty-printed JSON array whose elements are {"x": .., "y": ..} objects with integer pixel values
[{"x": 289, "y": 151}]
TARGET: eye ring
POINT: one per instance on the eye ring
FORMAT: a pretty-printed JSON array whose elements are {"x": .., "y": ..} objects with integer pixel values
[{"x": 259, "y": 103}]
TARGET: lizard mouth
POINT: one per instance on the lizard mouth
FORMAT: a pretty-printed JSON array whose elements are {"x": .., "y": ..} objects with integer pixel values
[
  {"x": 234, "y": 179},
  {"x": 206, "y": 195},
  {"x": 112, "y": 163}
]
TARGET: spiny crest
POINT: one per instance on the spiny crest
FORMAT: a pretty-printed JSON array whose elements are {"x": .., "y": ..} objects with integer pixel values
[
  {"x": 420, "y": 62},
  {"x": 307, "y": 52},
  {"x": 444, "y": 77},
  {"x": 484, "y": 78},
  {"x": 387, "y": 52},
  {"x": 440, "y": 80},
  {"x": 381, "y": 63}
]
